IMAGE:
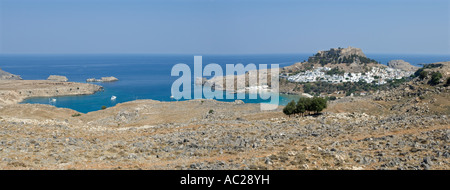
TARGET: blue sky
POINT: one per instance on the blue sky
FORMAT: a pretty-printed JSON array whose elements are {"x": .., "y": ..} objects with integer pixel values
[{"x": 223, "y": 26}]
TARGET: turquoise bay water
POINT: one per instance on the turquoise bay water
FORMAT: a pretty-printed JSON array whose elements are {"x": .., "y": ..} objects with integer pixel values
[{"x": 144, "y": 76}]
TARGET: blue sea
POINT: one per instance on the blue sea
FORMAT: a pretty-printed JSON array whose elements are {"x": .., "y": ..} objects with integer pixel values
[{"x": 145, "y": 76}]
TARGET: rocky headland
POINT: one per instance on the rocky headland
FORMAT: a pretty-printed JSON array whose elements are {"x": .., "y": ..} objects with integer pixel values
[
  {"x": 252, "y": 80},
  {"x": 402, "y": 65},
  {"x": 57, "y": 78},
  {"x": 8, "y": 76},
  {"x": 103, "y": 79},
  {"x": 15, "y": 91}
]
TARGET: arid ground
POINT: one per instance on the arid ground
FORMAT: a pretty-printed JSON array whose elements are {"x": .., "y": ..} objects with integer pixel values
[{"x": 404, "y": 128}]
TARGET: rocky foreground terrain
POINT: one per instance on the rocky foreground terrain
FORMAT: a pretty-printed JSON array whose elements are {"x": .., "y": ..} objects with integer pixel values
[{"x": 405, "y": 128}]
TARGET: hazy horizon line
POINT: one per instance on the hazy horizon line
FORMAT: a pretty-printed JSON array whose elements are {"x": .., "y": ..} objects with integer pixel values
[{"x": 211, "y": 53}]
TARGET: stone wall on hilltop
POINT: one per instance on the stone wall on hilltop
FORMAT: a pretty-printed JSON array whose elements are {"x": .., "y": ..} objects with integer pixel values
[{"x": 342, "y": 52}]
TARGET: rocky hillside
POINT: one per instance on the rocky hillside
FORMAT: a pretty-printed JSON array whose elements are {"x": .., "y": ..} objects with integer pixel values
[
  {"x": 8, "y": 76},
  {"x": 441, "y": 67}
]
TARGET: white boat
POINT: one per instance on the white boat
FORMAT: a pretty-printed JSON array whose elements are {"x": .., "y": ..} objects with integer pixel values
[
  {"x": 52, "y": 100},
  {"x": 113, "y": 98}
]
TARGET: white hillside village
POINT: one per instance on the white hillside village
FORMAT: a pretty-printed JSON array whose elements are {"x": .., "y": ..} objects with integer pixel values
[{"x": 377, "y": 75}]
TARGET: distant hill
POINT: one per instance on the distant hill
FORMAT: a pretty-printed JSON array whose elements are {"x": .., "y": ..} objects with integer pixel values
[{"x": 8, "y": 76}]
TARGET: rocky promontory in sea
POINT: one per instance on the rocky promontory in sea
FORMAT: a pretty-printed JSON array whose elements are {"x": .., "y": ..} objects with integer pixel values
[
  {"x": 8, "y": 76},
  {"x": 12, "y": 92},
  {"x": 103, "y": 79},
  {"x": 402, "y": 65},
  {"x": 200, "y": 81},
  {"x": 57, "y": 78}
]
